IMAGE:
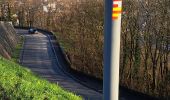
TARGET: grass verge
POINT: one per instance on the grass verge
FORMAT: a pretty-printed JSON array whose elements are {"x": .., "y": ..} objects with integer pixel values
[
  {"x": 16, "y": 53},
  {"x": 18, "y": 83}
]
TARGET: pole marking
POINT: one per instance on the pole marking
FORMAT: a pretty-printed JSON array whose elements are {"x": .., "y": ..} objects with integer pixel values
[{"x": 117, "y": 9}]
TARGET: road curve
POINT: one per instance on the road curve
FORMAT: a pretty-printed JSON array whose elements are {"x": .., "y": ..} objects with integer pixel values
[{"x": 38, "y": 56}]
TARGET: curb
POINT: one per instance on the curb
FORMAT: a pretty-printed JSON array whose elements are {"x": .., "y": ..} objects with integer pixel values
[{"x": 65, "y": 72}]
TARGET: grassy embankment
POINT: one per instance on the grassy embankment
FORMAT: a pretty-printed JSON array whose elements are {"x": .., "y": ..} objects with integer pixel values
[{"x": 17, "y": 82}]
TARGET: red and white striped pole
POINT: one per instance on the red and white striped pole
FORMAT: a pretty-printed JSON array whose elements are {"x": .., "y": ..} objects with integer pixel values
[{"x": 112, "y": 45}]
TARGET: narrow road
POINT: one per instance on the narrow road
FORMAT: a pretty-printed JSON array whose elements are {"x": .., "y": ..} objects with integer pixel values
[{"x": 38, "y": 56}]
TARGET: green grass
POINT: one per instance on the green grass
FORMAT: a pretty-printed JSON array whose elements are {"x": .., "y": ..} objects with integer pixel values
[
  {"x": 19, "y": 83},
  {"x": 16, "y": 52}
]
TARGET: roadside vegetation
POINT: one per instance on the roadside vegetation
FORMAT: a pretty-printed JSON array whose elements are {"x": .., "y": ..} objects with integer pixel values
[
  {"x": 145, "y": 53},
  {"x": 145, "y": 41},
  {"x": 17, "y": 82},
  {"x": 81, "y": 32},
  {"x": 17, "y": 51},
  {"x": 145, "y": 38}
]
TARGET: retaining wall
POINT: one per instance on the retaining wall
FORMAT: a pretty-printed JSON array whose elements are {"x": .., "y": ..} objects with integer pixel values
[{"x": 8, "y": 39}]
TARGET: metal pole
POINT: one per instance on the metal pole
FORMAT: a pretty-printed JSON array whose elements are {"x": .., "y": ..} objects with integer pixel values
[{"x": 112, "y": 49}]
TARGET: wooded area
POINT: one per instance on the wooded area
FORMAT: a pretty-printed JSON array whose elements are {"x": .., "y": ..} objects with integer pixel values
[
  {"x": 145, "y": 46},
  {"x": 78, "y": 24}
]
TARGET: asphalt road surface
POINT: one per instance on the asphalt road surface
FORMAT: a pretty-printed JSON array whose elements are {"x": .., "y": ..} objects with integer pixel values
[{"x": 38, "y": 55}]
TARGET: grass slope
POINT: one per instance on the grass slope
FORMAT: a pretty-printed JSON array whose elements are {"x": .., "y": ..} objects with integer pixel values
[{"x": 18, "y": 83}]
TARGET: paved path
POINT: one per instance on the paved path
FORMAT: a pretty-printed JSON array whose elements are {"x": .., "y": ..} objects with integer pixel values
[{"x": 39, "y": 57}]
